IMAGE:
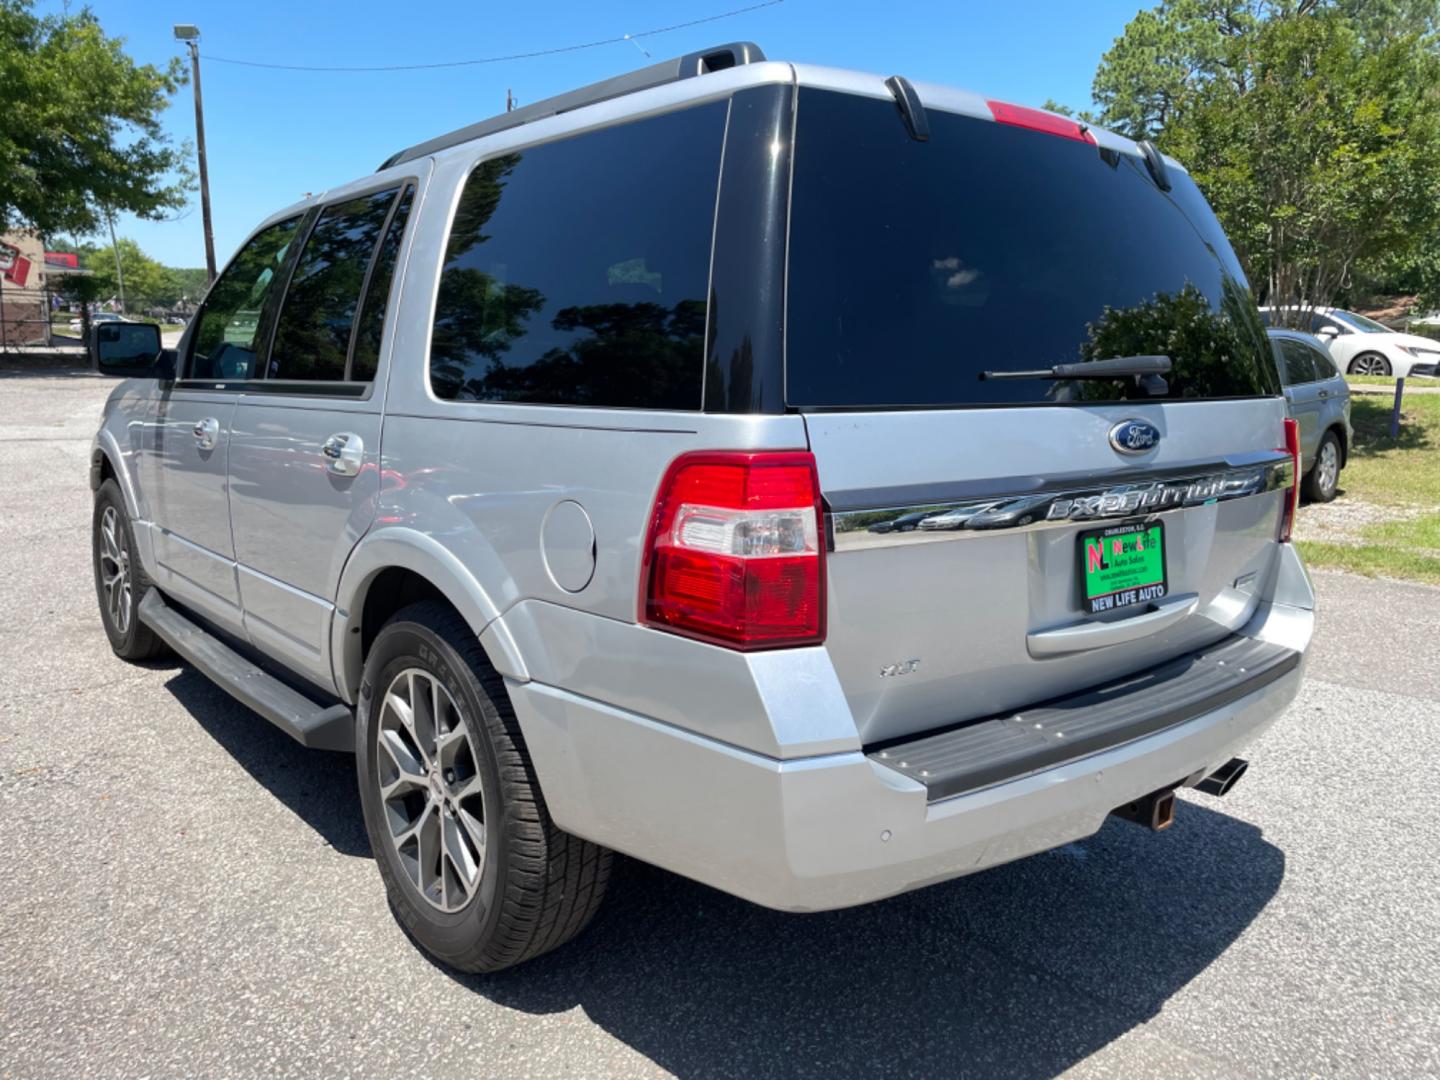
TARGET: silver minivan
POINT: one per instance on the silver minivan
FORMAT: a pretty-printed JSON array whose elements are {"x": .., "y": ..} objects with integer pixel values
[
  {"x": 1317, "y": 398},
  {"x": 549, "y": 469}
]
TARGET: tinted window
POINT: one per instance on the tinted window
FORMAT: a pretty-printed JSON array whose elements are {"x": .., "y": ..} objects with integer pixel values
[
  {"x": 1299, "y": 365},
  {"x": 228, "y": 329},
  {"x": 377, "y": 294},
  {"x": 312, "y": 338},
  {"x": 1324, "y": 366},
  {"x": 576, "y": 272},
  {"x": 1361, "y": 323},
  {"x": 916, "y": 266},
  {"x": 1320, "y": 322}
]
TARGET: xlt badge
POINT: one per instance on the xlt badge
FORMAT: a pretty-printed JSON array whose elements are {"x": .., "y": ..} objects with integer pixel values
[{"x": 904, "y": 667}]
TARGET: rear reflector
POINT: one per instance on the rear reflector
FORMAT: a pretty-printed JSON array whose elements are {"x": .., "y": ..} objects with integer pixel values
[
  {"x": 1036, "y": 120},
  {"x": 735, "y": 553},
  {"x": 1292, "y": 493}
]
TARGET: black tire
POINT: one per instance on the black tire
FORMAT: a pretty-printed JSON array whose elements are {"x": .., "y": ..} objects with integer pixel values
[
  {"x": 1321, "y": 485},
  {"x": 538, "y": 886},
  {"x": 1369, "y": 359},
  {"x": 120, "y": 610}
]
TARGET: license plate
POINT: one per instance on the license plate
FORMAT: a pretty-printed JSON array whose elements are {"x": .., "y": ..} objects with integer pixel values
[{"x": 1122, "y": 566}]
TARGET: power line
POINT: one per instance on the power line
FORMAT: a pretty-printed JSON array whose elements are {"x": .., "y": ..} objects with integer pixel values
[{"x": 500, "y": 59}]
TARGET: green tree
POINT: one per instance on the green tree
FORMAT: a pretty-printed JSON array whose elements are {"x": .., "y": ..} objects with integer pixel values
[
  {"x": 80, "y": 126},
  {"x": 1313, "y": 128},
  {"x": 148, "y": 283}
]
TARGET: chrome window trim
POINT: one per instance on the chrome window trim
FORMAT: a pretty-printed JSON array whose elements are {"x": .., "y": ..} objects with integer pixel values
[{"x": 1075, "y": 503}]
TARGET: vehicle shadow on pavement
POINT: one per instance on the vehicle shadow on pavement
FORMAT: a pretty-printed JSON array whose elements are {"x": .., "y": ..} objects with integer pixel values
[
  {"x": 318, "y": 786},
  {"x": 1020, "y": 971}
]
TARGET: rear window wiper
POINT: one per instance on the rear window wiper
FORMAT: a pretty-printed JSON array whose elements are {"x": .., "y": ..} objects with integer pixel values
[{"x": 1148, "y": 371}]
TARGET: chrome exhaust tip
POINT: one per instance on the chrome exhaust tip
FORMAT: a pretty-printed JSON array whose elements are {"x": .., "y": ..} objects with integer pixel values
[{"x": 1224, "y": 778}]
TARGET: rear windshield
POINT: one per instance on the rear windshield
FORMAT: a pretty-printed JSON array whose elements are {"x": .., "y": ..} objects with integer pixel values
[{"x": 917, "y": 266}]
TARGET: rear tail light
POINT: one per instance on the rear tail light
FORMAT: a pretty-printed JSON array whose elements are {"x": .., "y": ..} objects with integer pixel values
[
  {"x": 1036, "y": 120},
  {"x": 1292, "y": 493},
  {"x": 735, "y": 553}
]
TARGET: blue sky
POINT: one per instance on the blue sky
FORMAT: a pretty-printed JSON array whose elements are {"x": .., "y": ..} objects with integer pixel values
[{"x": 274, "y": 135}]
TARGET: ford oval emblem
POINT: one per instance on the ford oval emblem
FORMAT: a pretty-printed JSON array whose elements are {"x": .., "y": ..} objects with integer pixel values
[{"x": 1134, "y": 436}]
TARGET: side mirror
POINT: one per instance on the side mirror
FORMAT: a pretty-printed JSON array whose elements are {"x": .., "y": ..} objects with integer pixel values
[
  {"x": 127, "y": 350},
  {"x": 1327, "y": 333}
]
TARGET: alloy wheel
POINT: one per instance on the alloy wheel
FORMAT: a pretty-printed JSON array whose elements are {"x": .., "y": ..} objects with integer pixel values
[
  {"x": 1328, "y": 467},
  {"x": 1370, "y": 365},
  {"x": 115, "y": 569},
  {"x": 431, "y": 789}
]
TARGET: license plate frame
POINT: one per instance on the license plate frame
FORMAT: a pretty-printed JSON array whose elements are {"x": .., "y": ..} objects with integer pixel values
[{"x": 1131, "y": 576}]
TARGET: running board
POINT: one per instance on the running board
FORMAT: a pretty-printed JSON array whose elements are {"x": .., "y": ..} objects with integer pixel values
[{"x": 320, "y": 727}]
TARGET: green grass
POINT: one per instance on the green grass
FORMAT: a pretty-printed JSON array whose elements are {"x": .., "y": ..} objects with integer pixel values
[
  {"x": 1373, "y": 560},
  {"x": 1389, "y": 380},
  {"x": 1401, "y": 473}
]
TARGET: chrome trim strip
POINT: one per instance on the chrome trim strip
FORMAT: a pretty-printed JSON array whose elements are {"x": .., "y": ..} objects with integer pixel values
[{"x": 857, "y": 529}]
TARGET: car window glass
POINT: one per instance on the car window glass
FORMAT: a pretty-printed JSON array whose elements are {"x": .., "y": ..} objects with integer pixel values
[
  {"x": 227, "y": 330},
  {"x": 312, "y": 337},
  {"x": 915, "y": 267},
  {"x": 577, "y": 271},
  {"x": 1324, "y": 366},
  {"x": 1361, "y": 323},
  {"x": 1299, "y": 367},
  {"x": 377, "y": 294},
  {"x": 1321, "y": 322}
]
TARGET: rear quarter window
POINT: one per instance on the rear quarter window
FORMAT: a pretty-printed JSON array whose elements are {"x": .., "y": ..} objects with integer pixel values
[
  {"x": 577, "y": 271},
  {"x": 916, "y": 266}
]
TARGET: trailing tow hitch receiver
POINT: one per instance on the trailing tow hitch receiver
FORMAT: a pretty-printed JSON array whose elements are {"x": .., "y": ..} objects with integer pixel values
[
  {"x": 1224, "y": 778},
  {"x": 1155, "y": 811}
]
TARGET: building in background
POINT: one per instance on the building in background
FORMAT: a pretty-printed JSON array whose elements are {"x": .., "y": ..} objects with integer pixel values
[
  {"x": 27, "y": 273},
  {"x": 24, "y": 302}
]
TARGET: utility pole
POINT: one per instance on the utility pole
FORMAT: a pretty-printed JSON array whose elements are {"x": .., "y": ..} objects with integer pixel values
[
  {"x": 509, "y": 101},
  {"x": 190, "y": 34},
  {"x": 115, "y": 247}
]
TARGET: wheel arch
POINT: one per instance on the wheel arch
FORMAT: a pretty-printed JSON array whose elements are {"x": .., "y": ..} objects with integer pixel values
[
  {"x": 1359, "y": 354},
  {"x": 1339, "y": 429},
  {"x": 392, "y": 568},
  {"x": 105, "y": 464}
]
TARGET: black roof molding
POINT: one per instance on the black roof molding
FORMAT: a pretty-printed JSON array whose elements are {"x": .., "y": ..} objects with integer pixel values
[{"x": 667, "y": 71}]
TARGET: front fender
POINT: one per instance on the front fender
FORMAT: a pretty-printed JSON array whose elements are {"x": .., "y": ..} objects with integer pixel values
[
  {"x": 421, "y": 554},
  {"x": 103, "y": 446}
]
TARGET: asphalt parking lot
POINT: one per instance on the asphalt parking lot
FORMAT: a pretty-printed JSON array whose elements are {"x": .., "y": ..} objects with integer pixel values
[{"x": 187, "y": 892}]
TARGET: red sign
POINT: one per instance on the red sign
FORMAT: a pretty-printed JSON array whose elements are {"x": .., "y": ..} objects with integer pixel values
[
  {"x": 62, "y": 260},
  {"x": 13, "y": 266}
]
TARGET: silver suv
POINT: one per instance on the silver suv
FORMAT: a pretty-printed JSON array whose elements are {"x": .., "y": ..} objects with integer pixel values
[{"x": 574, "y": 470}]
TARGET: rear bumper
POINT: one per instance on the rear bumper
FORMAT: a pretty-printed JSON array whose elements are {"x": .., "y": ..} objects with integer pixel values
[{"x": 840, "y": 829}]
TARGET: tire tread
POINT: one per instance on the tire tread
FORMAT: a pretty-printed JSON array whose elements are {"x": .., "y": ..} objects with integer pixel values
[{"x": 555, "y": 881}]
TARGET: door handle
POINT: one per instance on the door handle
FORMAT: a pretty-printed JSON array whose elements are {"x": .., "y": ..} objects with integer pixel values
[
  {"x": 207, "y": 433},
  {"x": 344, "y": 453},
  {"x": 1324, "y": 393},
  {"x": 1078, "y": 637}
]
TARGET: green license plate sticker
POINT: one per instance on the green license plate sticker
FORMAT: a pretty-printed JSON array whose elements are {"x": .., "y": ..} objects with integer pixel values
[{"x": 1122, "y": 566}]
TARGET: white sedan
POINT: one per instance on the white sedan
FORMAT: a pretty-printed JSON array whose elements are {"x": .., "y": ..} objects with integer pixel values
[{"x": 1361, "y": 346}]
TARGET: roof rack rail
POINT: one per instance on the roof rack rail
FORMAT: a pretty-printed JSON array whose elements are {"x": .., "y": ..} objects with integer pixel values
[{"x": 667, "y": 71}]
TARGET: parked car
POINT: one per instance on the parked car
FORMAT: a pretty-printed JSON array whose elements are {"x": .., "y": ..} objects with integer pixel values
[
  {"x": 77, "y": 326},
  {"x": 538, "y": 466},
  {"x": 903, "y": 523},
  {"x": 1362, "y": 346},
  {"x": 1317, "y": 397}
]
